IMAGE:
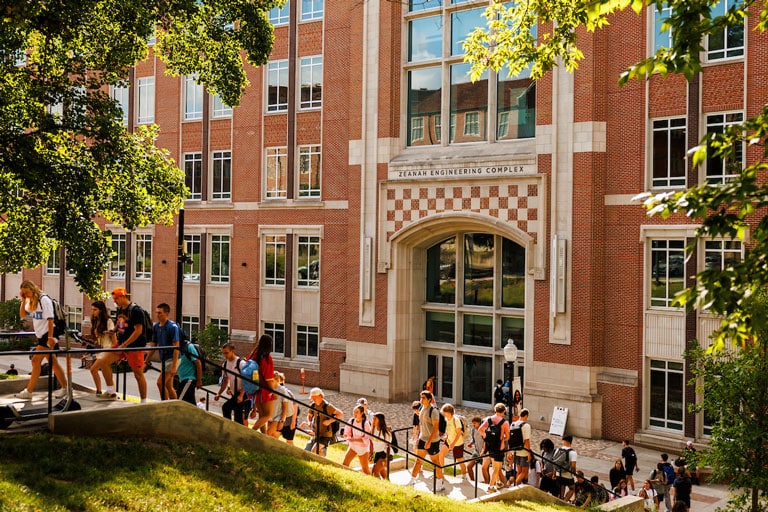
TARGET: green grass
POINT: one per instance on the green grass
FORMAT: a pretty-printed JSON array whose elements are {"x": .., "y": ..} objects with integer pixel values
[{"x": 43, "y": 472}]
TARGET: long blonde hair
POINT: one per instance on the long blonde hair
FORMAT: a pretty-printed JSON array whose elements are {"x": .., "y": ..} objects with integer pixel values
[{"x": 36, "y": 292}]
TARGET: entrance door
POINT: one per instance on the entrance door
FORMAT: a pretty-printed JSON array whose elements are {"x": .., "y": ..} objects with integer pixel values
[{"x": 441, "y": 367}]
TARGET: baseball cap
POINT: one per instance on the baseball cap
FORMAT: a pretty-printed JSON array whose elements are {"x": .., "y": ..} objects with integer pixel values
[
  {"x": 362, "y": 401},
  {"x": 315, "y": 392},
  {"x": 120, "y": 292}
]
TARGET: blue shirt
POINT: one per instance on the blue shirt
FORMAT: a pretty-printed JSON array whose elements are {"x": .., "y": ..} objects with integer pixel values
[
  {"x": 165, "y": 336},
  {"x": 186, "y": 369}
]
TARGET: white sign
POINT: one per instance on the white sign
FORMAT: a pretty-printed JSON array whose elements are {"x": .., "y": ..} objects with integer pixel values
[
  {"x": 483, "y": 171},
  {"x": 559, "y": 418}
]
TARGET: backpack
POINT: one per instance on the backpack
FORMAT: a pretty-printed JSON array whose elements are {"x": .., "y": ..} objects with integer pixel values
[
  {"x": 516, "y": 439},
  {"x": 395, "y": 446},
  {"x": 59, "y": 318},
  {"x": 440, "y": 420},
  {"x": 670, "y": 472},
  {"x": 493, "y": 434},
  {"x": 463, "y": 422},
  {"x": 146, "y": 322},
  {"x": 249, "y": 369},
  {"x": 562, "y": 459},
  {"x": 335, "y": 425},
  {"x": 185, "y": 343}
]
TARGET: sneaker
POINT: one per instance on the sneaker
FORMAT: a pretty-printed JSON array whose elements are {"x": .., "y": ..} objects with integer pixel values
[
  {"x": 24, "y": 394},
  {"x": 60, "y": 393}
]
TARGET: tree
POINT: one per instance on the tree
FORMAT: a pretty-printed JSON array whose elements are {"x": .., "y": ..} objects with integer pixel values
[{"x": 65, "y": 157}]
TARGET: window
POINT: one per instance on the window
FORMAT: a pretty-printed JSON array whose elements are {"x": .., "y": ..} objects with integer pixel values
[
  {"x": 220, "y": 323},
  {"x": 193, "y": 174},
  {"x": 193, "y": 99},
  {"x": 20, "y": 58},
  {"x": 433, "y": 62},
  {"x": 219, "y": 258},
  {"x": 280, "y": 15},
  {"x": 220, "y": 109},
  {"x": 667, "y": 271},
  {"x": 222, "y": 175},
  {"x": 666, "y": 400},
  {"x": 74, "y": 317},
  {"x": 53, "y": 263},
  {"x": 146, "y": 100},
  {"x": 728, "y": 42},
  {"x": 276, "y": 173},
  {"x": 312, "y": 82},
  {"x": 308, "y": 261},
  {"x": 120, "y": 95},
  {"x": 719, "y": 170},
  {"x": 274, "y": 265},
  {"x": 277, "y": 331},
  {"x": 307, "y": 341},
  {"x": 669, "y": 148},
  {"x": 277, "y": 86},
  {"x": 309, "y": 171},
  {"x": 192, "y": 250},
  {"x": 117, "y": 265},
  {"x": 190, "y": 324},
  {"x": 661, "y": 39},
  {"x": 143, "y": 257},
  {"x": 719, "y": 254},
  {"x": 311, "y": 10}
]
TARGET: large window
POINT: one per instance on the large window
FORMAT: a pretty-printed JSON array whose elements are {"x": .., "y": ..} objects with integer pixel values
[
  {"x": 117, "y": 265},
  {"x": 720, "y": 170},
  {"x": 220, "y": 109},
  {"x": 53, "y": 263},
  {"x": 308, "y": 268},
  {"x": 277, "y": 331},
  {"x": 75, "y": 317},
  {"x": 143, "y": 256},
  {"x": 120, "y": 95},
  {"x": 193, "y": 99},
  {"x": 666, "y": 400},
  {"x": 472, "y": 324},
  {"x": 728, "y": 42},
  {"x": 193, "y": 174},
  {"x": 274, "y": 265},
  {"x": 468, "y": 103},
  {"x": 280, "y": 15},
  {"x": 146, "y": 100},
  {"x": 669, "y": 147},
  {"x": 667, "y": 271},
  {"x": 276, "y": 173},
  {"x": 661, "y": 38},
  {"x": 311, "y": 10},
  {"x": 307, "y": 341},
  {"x": 190, "y": 324},
  {"x": 719, "y": 254},
  {"x": 312, "y": 82},
  {"x": 309, "y": 171},
  {"x": 219, "y": 258},
  {"x": 277, "y": 86},
  {"x": 192, "y": 265},
  {"x": 222, "y": 175}
]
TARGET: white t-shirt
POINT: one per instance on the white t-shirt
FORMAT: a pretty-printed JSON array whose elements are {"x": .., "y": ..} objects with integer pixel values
[
  {"x": 41, "y": 315},
  {"x": 452, "y": 427},
  {"x": 232, "y": 381}
]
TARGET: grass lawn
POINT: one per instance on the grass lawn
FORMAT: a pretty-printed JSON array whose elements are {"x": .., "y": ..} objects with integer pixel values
[{"x": 42, "y": 472}]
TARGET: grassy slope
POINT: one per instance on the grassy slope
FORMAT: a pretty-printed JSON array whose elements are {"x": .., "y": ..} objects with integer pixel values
[{"x": 53, "y": 473}]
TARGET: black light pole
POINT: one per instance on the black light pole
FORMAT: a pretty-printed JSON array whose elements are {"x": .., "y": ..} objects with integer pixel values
[
  {"x": 510, "y": 356},
  {"x": 182, "y": 257}
]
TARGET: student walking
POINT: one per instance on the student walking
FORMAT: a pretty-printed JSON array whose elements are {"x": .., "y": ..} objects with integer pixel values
[
  {"x": 358, "y": 442},
  {"x": 132, "y": 335},
  {"x": 38, "y": 306},
  {"x": 380, "y": 429},
  {"x": 104, "y": 332},
  {"x": 321, "y": 417},
  {"x": 230, "y": 381},
  {"x": 165, "y": 334}
]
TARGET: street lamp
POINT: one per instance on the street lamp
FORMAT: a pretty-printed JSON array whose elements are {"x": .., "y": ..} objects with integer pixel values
[{"x": 510, "y": 356}]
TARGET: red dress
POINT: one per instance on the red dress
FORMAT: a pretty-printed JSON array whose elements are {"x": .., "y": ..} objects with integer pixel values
[{"x": 266, "y": 372}]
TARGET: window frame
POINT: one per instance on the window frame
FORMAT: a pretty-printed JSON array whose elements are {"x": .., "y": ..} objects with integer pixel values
[
  {"x": 728, "y": 52},
  {"x": 193, "y": 175},
  {"x": 678, "y": 252},
  {"x": 273, "y": 329},
  {"x": 276, "y": 164},
  {"x": 220, "y": 159},
  {"x": 192, "y": 246},
  {"x": 193, "y": 99},
  {"x": 143, "y": 253},
  {"x": 119, "y": 241},
  {"x": 121, "y": 96},
  {"x": 305, "y": 334},
  {"x": 306, "y": 154},
  {"x": 271, "y": 246},
  {"x": 306, "y": 246},
  {"x": 312, "y": 65},
  {"x": 724, "y": 176},
  {"x": 145, "y": 100},
  {"x": 665, "y": 423},
  {"x": 219, "y": 109},
  {"x": 315, "y": 12},
  {"x": 277, "y": 74},
  {"x": 220, "y": 269},
  {"x": 669, "y": 181},
  {"x": 53, "y": 263},
  {"x": 279, "y": 16}
]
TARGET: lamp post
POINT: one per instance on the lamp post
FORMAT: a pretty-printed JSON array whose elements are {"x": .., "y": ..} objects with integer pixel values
[{"x": 510, "y": 356}]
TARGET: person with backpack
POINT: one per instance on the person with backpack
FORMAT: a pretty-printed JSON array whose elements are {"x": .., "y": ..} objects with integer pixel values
[
  {"x": 288, "y": 416},
  {"x": 565, "y": 461},
  {"x": 38, "y": 306},
  {"x": 429, "y": 440},
  {"x": 495, "y": 431},
  {"x": 133, "y": 335},
  {"x": 380, "y": 429},
  {"x": 522, "y": 457},
  {"x": 630, "y": 462},
  {"x": 230, "y": 381},
  {"x": 476, "y": 447},
  {"x": 264, "y": 399},
  {"x": 165, "y": 333},
  {"x": 455, "y": 431},
  {"x": 322, "y": 417},
  {"x": 681, "y": 489},
  {"x": 358, "y": 442},
  {"x": 658, "y": 479},
  {"x": 190, "y": 370},
  {"x": 669, "y": 470}
]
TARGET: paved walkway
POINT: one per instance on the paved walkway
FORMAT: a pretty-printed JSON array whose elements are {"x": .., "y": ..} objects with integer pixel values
[{"x": 595, "y": 456}]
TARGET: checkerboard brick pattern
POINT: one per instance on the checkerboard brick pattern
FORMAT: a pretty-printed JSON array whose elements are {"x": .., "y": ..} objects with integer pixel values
[{"x": 518, "y": 203}]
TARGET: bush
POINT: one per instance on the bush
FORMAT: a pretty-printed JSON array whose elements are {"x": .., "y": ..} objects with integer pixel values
[{"x": 211, "y": 339}]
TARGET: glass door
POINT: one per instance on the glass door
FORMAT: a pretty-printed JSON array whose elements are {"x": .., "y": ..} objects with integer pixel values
[{"x": 440, "y": 366}]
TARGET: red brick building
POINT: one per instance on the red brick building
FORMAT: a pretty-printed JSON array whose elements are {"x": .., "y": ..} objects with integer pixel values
[{"x": 335, "y": 210}]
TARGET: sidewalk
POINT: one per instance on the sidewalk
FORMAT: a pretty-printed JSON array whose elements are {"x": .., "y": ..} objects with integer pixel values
[{"x": 595, "y": 456}]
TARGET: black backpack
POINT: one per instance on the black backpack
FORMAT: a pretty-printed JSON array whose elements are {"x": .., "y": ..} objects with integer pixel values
[
  {"x": 493, "y": 434},
  {"x": 59, "y": 318},
  {"x": 146, "y": 322},
  {"x": 516, "y": 439},
  {"x": 440, "y": 420}
]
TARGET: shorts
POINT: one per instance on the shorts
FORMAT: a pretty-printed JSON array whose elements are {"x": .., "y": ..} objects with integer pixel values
[
  {"x": 458, "y": 451},
  {"x": 521, "y": 461},
  {"x": 496, "y": 455},
  {"x": 135, "y": 359},
  {"x": 287, "y": 432},
  {"x": 359, "y": 449},
  {"x": 43, "y": 342},
  {"x": 168, "y": 365},
  {"x": 379, "y": 456},
  {"x": 564, "y": 481},
  {"x": 434, "y": 448}
]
